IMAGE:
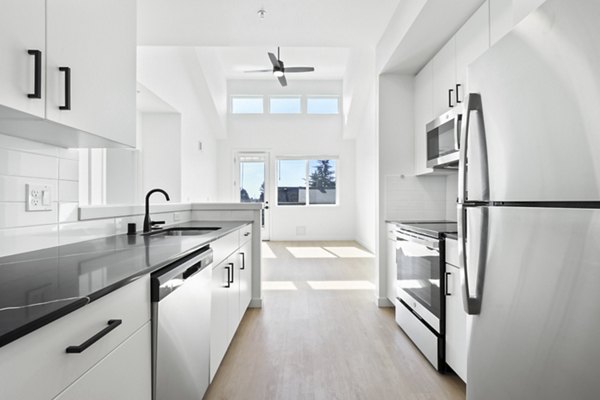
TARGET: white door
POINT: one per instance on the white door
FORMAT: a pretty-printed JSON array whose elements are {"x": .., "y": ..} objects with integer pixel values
[{"x": 252, "y": 184}]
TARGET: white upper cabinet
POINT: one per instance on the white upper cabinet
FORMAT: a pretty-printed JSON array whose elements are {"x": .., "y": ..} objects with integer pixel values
[
  {"x": 423, "y": 114},
  {"x": 22, "y": 45},
  {"x": 96, "y": 41},
  {"x": 472, "y": 40},
  {"x": 444, "y": 78},
  {"x": 505, "y": 14},
  {"x": 68, "y": 71}
]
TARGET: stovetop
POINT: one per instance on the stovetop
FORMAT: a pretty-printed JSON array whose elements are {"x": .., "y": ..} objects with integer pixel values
[{"x": 429, "y": 228}]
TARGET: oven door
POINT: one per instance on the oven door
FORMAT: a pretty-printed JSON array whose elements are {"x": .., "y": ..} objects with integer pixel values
[{"x": 418, "y": 276}]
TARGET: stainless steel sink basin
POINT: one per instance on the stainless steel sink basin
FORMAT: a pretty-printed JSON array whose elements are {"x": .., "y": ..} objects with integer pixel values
[{"x": 183, "y": 231}]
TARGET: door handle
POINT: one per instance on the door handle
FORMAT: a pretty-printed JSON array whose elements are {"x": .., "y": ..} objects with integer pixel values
[
  {"x": 458, "y": 85},
  {"x": 473, "y": 103},
  {"x": 37, "y": 74},
  {"x": 228, "y": 284},
  {"x": 450, "y": 98},
  {"x": 243, "y": 260},
  {"x": 472, "y": 301},
  {"x": 67, "y": 72},
  {"x": 112, "y": 324}
]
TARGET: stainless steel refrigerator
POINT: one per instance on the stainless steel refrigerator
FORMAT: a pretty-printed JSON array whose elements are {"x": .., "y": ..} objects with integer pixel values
[{"x": 529, "y": 209}]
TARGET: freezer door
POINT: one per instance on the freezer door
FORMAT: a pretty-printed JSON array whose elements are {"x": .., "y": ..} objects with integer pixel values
[
  {"x": 540, "y": 95},
  {"x": 536, "y": 336}
]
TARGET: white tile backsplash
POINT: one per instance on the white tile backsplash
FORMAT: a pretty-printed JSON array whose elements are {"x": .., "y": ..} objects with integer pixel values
[
  {"x": 14, "y": 215},
  {"x": 15, "y": 143},
  {"x": 68, "y": 191},
  {"x": 68, "y": 212},
  {"x": 19, "y": 163},
  {"x": 68, "y": 169},
  {"x": 20, "y": 240},
  {"x": 85, "y": 230},
  {"x": 415, "y": 198},
  {"x": 12, "y": 188}
]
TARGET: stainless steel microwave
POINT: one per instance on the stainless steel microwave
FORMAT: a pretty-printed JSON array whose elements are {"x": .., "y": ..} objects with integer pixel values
[{"x": 443, "y": 139}]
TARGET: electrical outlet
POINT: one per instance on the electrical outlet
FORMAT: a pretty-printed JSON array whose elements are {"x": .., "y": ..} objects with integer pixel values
[{"x": 39, "y": 198}]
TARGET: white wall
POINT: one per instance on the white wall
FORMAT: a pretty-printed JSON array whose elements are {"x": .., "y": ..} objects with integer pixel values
[
  {"x": 161, "y": 155},
  {"x": 175, "y": 76},
  {"x": 293, "y": 135}
]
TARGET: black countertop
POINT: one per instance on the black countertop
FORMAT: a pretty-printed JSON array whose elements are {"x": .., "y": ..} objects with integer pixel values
[{"x": 41, "y": 286}]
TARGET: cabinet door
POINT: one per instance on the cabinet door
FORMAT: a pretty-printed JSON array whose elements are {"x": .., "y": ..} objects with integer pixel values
[
  {"x": 444, "y": 79},
  {"x": 234, "y": 296},
  {"x": 219, "y": 315},
  {"x": 96, "y": 39},
  {"x": 391, "y": 268},
  {"x": 22, "y": 28},
  {"x": 472, "y": 40},
  {"x": 456, "y": 324},
  {"x": 423, "y": 115},
  {"x": 245, "y": 273},
  {"x": 125, "y": 374}
]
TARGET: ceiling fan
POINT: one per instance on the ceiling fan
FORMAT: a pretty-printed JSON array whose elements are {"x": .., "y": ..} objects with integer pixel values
[{"x": 279, "y": 70}]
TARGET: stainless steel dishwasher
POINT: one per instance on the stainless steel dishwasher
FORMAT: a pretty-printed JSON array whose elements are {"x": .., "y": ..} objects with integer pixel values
[{"x": 181, "y": 294}]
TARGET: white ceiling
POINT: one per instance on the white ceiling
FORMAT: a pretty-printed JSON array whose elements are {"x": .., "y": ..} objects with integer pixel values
[{"x": 313, "y": 23}]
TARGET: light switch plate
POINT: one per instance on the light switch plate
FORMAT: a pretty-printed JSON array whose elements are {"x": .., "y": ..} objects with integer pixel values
[{"x": 39, "y": 198}]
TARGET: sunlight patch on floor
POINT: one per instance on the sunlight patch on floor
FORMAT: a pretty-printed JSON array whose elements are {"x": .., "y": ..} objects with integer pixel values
[
  {"x": 278, "y": 285},
  {"x": 349, "y": 252},
  {"x": 341, "y": 285},
  {"x": 310, "y": 252},
  {"x": 266, "y": 250}
]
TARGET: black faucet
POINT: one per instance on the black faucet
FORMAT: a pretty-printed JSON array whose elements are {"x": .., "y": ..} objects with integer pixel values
[{"x": 148, "y": 223}]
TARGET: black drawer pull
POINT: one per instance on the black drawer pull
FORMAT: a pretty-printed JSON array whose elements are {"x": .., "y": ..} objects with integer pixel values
[
  {"x": 450, "y": 98},
  {"x": 243, "y": 261},
  {"x": 458, "y": 101},
  {"x": 67, "y": 72},
  {"x": 228, "y": 268},
  {"x": 112, "y": 324},
  {"x": 232, "y": 271},
  {"x": 447, "y": 293},
  {"x": 37, "y": 74}
]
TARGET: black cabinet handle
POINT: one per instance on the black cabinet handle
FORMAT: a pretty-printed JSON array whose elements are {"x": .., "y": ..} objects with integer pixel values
[
  {"x": 67, "y": 72},
  {"x": 232, "y": 272},
  {"x": 450, "y": 98},
  {"x": 228, "y": 268},
  {"x": 112, "y": 324},
  {"x": 37, "y": 74},
  {"x": 247, "y": 234},
  {"x": 446, "y": 284},
  {"x": 243, "y": 261},
  {"x": 458, "y": 85}
]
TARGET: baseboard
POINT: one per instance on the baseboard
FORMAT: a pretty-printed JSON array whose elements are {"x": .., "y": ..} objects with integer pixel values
[
  {"x": 255, "y": 303},
  {"x": 384, "y": 302}
]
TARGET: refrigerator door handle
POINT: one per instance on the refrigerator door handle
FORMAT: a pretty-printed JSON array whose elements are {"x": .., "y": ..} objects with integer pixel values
[
  {"x": 472, "y": 301},
  {"x": 472, "y": 104}
]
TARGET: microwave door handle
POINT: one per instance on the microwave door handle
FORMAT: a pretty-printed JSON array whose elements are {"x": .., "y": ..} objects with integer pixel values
[
  {"x": 472, "y": 301},
  {"x": 472, "y": 104}
]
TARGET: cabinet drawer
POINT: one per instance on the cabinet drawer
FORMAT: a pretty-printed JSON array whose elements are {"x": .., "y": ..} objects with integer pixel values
[
  {"x": 245, "y": 234},
  {"x": 223, "y": 247},
  {"x": 37, "y": 365},
  {"x": 452, "y": 252}
]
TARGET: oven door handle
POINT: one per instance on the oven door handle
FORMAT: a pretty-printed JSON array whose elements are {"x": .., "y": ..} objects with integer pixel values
[{"x": 430, "y": 244}]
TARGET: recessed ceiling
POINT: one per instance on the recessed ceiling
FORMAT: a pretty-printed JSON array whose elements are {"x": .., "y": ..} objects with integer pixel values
[
  {"x": 313, "y": 23},
  {"x": 329, "y": 62}
]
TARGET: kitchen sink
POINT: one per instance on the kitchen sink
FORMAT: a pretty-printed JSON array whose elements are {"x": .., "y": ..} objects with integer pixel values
[{"x": 187, "y": 231}]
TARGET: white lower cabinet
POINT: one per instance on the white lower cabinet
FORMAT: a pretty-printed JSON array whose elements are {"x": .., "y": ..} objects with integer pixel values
[
  {"x": 391, "y": 262},
  {"x": 231, "y": 295},
  {"x": 456, "y": 323},
  {"x": 124, "y": 374}
]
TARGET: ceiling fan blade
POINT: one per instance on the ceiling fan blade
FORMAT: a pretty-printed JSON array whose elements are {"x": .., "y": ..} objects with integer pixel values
[
  {"x": 282, "y": 80},
  {"x": 260, "y": 70},
  {"x": 299, "y": 69},
  {"x": 274, "y": 60}
]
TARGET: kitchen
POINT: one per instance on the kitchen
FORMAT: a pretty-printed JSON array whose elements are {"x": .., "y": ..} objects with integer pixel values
[{"x": 461, "y": 224}]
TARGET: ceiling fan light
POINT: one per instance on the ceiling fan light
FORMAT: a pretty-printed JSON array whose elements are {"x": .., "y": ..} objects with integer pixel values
[{"x": 278, "y": 73}]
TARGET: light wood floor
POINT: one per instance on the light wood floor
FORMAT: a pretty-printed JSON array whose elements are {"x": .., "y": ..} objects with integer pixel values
[{"x": 320, "y": 335}]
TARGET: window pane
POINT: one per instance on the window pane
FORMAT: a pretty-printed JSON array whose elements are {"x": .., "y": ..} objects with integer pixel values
[
  {"x": 247, "y": 105},
  {"x": 285, "y": 105},
  {"x": 252, "y": 181},
  {"x": 321, "y": 182},
  {"x": 291, "y": 189},
  {"x": 322, "y": 105}
]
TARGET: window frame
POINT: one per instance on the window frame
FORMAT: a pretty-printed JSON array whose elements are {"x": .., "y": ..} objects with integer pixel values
[
  {"x": 247, "y": 96},
  {"x": 307, "y": 160}
]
